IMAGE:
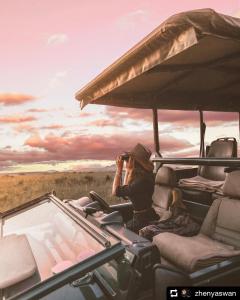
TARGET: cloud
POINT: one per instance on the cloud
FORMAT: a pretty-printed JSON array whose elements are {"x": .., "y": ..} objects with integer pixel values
[
  {"x": 56, "y": 39},
  {"x": 133, "y": 19},
  {"x": 53, "y": 126},
  {"x": 53, "y": 149},
  {"x": 176, "y": 117},
  {"x": 17, "y": 119},
  {"x": 105, "y": 123},
  {"x": 8, "y": 99},
  {"x": 56, "y": 80},
  {"x": 97, "y": 147},
  {"x": 25, "y": 128},
  {"x": 38, "y": 110}
]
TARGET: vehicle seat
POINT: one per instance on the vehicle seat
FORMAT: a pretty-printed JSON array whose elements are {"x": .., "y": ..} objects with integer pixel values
[
  {"x": 165, "y": 191},
  {"x": 219, "y": 236},
  {"x": 16, "y": 260},
  {"x": 210, "y": 179}
]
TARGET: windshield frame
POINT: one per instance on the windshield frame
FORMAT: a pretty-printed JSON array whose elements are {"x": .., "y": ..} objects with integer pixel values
[{"x": 112, "y": 249}]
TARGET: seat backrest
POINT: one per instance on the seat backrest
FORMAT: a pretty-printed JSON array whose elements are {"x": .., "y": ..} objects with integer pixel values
[
  {"x": 220, "y": 148},
  {"x": 222, "y": 222},
  {"x": 165, "y": 184}
]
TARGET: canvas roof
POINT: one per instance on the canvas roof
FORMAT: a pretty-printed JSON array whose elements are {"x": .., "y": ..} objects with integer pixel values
[{"x": 190, "y": 62}]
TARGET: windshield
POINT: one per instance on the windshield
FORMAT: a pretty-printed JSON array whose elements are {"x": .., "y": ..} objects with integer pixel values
[{"x": 57, "y": 242}]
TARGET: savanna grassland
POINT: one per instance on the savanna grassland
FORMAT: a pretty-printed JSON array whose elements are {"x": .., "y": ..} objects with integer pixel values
[{"x": 16, "y": 189}]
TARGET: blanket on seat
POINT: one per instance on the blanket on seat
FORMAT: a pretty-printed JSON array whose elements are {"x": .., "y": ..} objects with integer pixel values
[{"x": 202, "y": 184}]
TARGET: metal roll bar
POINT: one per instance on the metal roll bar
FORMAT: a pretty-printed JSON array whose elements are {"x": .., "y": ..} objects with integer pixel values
[{"x": 221, "y": 162}]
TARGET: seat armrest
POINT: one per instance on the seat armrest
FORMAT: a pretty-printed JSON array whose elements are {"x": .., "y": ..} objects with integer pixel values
[
  {"x": 211, "y": 274},
  {"x": 165, "y": 277}
]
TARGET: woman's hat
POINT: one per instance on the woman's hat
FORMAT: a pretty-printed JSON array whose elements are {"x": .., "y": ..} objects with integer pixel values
[{"x": 142, "y": 155}]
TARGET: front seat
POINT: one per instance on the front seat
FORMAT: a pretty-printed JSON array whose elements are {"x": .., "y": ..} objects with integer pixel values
[
  {"x": 165, "y": 191},
  {"x": 209, "y": 181},
  {"x": 219, "y": 237}
]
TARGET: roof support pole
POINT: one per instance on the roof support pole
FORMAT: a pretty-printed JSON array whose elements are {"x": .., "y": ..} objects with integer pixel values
[
  {"x": 155, "y": 131},
  {"x": 239, "y": 124},
  {"x": 202, "y": 135}
]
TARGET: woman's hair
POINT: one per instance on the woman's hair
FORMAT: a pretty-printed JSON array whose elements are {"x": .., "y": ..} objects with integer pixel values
[{"x": 138, "y": 172}]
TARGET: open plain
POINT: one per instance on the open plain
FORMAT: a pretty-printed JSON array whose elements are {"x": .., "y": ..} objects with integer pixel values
[{"x": 16, "y": 189}]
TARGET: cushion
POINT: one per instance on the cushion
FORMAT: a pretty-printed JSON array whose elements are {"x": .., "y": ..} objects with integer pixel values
[
  {"x": 16, "y": 260},
  {"x": 162, "y": 197},
  {"x": 192, "y": 253}
]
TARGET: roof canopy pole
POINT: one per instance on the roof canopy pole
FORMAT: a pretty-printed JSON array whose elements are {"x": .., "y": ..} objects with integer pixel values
[
  {"x": 155, "y": 131},
  {"x": 202, "y": 135},
  {"x": 239, "y": 124}
]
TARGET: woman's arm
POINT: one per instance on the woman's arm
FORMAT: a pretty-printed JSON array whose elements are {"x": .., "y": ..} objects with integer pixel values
[{"x": 118, "y": 175}]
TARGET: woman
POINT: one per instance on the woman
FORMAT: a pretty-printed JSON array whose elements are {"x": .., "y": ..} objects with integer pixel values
[{"x": 138, "y": 186}]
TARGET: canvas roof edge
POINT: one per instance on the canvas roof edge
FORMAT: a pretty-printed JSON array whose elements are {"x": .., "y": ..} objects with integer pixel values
[{"x": 175, "y": 35}]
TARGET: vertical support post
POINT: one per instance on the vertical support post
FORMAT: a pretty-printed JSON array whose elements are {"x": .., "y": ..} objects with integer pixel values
[
  {"x": 155, "y": 130},
  {"x": 202, "y": 134},
  {"x": 239, "y": 125}
]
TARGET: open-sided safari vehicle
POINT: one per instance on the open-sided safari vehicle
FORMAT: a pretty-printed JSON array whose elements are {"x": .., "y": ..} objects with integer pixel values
[{"x": 80, "y": 249}]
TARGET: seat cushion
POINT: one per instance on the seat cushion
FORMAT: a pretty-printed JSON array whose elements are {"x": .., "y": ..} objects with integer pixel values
[
  {"x": 162, "y": 197},
  {"x": 16, "y": 260},
  {"x": 192, "y": 253},
  {"x": 202, "y": 184}
]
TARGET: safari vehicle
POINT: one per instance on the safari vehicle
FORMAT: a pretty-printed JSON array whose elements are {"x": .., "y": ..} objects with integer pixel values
[{"x": 80, "y": 249}]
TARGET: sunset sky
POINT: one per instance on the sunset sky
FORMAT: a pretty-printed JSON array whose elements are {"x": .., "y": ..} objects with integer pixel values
[{"x": 49, "y": 50}]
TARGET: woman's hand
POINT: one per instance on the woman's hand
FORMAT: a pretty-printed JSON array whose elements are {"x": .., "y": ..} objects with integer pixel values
[
  {"x": 119, "y": 163},
  {"x": 130, "y": 163}
]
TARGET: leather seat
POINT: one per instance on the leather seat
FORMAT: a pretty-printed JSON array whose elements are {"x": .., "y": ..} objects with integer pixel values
[
  {"x": 219, "y": 237},
  {"x": 165, "y": 191},
  {"x": 210, "y": 179},
  {"x": 16, "y": 260}
]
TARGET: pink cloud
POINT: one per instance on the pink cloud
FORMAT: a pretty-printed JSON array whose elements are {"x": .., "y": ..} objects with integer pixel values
[
  {"x": 37, "y": 110},
  {"x": 25, "y": 128},
  {"x": 105, "y": 123},
  {"x": 8, "y": 99},
  {"x": 97, "y": 147},
  {"x": 17, "y": 119},
  {"x": 53, "y": 126},
  {"x": 184, "y": 118}
]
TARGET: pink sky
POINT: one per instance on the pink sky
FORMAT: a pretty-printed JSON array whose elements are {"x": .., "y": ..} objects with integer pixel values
[{"x": 49, "y": 50}]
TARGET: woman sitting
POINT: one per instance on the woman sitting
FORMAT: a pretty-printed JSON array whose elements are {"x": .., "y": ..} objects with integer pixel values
[{"x": 138, "y": 185}]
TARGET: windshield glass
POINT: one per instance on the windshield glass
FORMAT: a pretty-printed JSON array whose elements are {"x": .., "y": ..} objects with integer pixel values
[{"x": 57, "y": 242}]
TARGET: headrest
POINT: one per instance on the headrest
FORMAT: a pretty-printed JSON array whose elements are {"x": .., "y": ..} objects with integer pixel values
[
  {"x": 222, "y": 148},
  {"x": 231, "y": 186},
  {"x": 166, "y": 176}
]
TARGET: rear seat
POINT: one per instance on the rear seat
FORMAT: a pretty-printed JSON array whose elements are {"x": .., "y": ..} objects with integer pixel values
[
  {"x": 209, "y": 181},
  {"x": 164, "y": 191},
  {"x": 219, "y": 237}
]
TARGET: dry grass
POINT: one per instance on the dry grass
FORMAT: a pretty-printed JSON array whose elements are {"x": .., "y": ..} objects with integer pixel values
[{"x": 21, "y": 188}]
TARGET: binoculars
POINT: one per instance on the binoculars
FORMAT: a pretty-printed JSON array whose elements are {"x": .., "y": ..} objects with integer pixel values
[{"x": 125, "y": 156}]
